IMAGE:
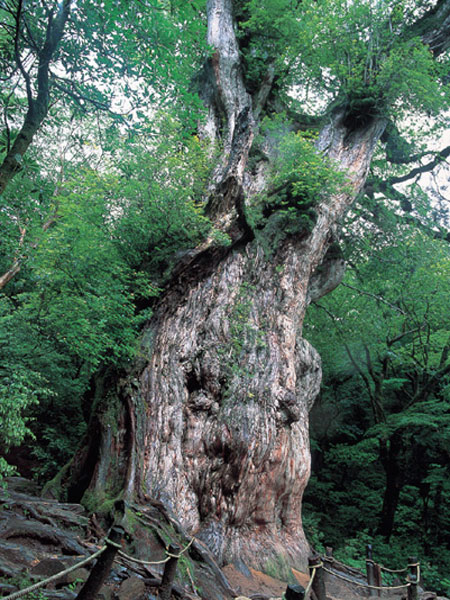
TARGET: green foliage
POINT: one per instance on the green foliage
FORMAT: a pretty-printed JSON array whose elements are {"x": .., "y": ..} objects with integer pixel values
[
  {"x": 367, "y": 54},
  {"x": 112, "y": 57},
  {"x": 268, "y": 36},
  {"x": 88, "y": 280},
  {"x": 300, "y": 177},
  {"x": 384, "y": 340},
  {"x": 23, "y": 581},
  {"x": 162, "y": 216},
  {"x": 75, "y": 231},
  {"x": 378, "y": 65}
]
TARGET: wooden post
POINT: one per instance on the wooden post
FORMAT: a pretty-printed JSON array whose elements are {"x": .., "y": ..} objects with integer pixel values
[
  {"x": 370, "y": 569},
  {"x": 169, "y": 573},
  {"x": 294, "y": 592},
  {"x": 413, "y": 578},
  {"x": 378, "y": 578},
  {"x": 318, "y": 584},
  {"x": 102, "y": 567}
]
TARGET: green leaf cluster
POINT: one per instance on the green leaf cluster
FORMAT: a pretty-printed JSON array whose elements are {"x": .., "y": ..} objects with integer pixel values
[
  {"x": 365, "y": 55},
  {"x": 383, "y": 419},
  {"x": 98, "y": 246},
  {"x": 300, "y": 176}
]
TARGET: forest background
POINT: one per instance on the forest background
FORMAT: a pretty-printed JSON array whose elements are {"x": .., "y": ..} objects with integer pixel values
[{"x": 103, "y": 183}]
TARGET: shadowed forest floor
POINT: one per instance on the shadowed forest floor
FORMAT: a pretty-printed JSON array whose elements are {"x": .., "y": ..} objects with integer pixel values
[{"x": 40, "y": 537}]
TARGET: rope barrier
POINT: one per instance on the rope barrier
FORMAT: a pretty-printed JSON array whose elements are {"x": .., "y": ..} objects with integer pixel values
[
  {"x": 182, "y": 551},
  {"x": 108, "y": 542},
  {"x": 111, "y": 543},
  {"x": 366, "y": 585},
  {"x": 156, "y": 562},
  {"x": 369, "y": 560},
  {"x": 142, "y": 562},
  {"x": 308, "y": 587},
  {"x": 55, "y": 577}
]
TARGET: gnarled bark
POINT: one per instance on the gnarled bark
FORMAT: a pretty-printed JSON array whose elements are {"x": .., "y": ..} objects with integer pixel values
[
  {"x": 214, "y": 419},
  {"x": 220, "y": 408}
]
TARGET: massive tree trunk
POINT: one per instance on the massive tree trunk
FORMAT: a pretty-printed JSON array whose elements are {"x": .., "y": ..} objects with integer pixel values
[{"x": 214, "y": 418}]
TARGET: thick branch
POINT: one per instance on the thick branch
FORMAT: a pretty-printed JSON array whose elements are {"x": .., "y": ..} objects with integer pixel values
[
  {"x": 25, "y": 74},
  {"x": 398, "y": 150},
  {"x": 439, "y": 158},
  {"x": 374, "y": 296},
  {"x": 434, "y": 231},
  {"x": 17, "y": 262},
  {"x": 360, "y": 371}
]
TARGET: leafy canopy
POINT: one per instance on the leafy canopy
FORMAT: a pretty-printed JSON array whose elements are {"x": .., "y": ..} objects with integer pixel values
[
  {"x": 364, "y": 54},
  {"x": 87, "y": 283}
]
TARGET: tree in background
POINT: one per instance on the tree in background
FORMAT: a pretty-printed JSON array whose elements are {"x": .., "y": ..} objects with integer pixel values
[
  {"x": 384, "y": 338},
  {"x": 76, "y": 89}
]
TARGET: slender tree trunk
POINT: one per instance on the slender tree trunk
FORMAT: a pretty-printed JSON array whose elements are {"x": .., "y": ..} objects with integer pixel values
[
  {"x": 38, "y": 105},
  {"x": 214, "y": 418},
  {"x": 394, "y": 483}
]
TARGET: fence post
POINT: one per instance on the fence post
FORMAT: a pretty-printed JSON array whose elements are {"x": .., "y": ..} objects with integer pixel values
[
  {"x": 413, "y": 578},
  {"x": 102, "y": 567},
  {"x": 169, "y": 573},
  {"x": 294, "y": 592},
  {"x": 370, "y": 569},
  {"x": 378, "y": 578},
  {"x": 318, "y": 584}
]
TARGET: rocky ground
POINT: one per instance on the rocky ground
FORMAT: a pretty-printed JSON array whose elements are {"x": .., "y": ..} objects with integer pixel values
[{"x": 40, "y": 537}]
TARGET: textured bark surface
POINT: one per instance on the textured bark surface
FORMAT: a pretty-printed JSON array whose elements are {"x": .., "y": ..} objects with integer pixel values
[
  {"x": 229, "y": 384},
  {"x": 214, "y": 420}
]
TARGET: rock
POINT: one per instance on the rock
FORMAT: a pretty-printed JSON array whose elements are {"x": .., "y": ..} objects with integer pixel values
[
  {"x": 118, "y": 573},
  {"x": 64, "y": 594},
  {"x": 14, "y": 558},
  {"x": 76, "y": 577},
  {"x": 105, "y": 593},
  {"x": 48, "y": 567},
  {"x": 46, "y": 534},
  {"x": 7, "y": 588},
  {"x": 132, "y": 588},
  {"x": 22, "y": 485}
]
